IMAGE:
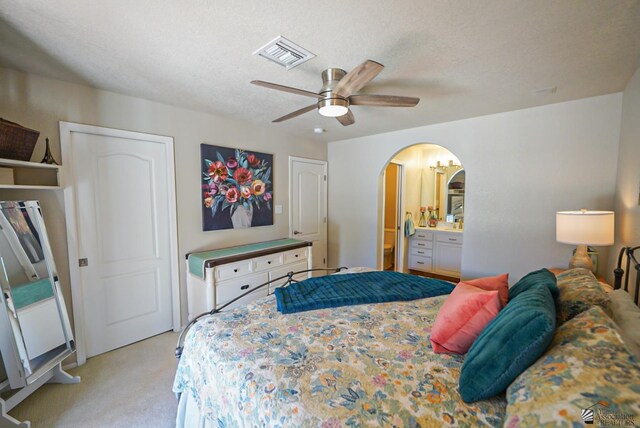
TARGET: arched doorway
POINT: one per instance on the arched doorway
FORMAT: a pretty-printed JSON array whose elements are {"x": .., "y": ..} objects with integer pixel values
[{"x": 430, "y": 183}]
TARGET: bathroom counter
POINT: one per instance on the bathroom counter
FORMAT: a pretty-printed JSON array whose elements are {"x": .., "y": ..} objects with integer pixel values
[{"x": 447, "y": 227}]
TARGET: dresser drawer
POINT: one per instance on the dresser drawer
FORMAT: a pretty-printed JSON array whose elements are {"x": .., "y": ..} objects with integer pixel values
[
  {"x": 278, "y": 273},
  {"x": 421, "y": 252},
  {"x": 228, "y": 290},
  {"x": 267, "y": 262},
  {"x": 427, "y": 235},
  {"x": 420, "y": 263},
  {"x": 420, "y": 243},
  {"x": 450, "y": 237},
  {"x": 233, "y": 270},
  {"x": 293, "y": 256}
]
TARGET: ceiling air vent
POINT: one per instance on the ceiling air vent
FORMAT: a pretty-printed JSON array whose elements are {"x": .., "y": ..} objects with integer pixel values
[{"x": 284, "y": 52}]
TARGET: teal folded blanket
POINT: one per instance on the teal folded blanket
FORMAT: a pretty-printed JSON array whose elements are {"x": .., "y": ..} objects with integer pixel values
[
  {"x": 31, "y": 292},
  {"x": 332, "y": 291}
]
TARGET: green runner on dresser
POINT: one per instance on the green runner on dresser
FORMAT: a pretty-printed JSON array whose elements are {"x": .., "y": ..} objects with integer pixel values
[{"x": 198, "y": 259}]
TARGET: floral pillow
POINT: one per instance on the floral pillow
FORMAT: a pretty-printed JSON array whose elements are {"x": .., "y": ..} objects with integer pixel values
[
  {"x": 587, "y": 374},
  {"x": 579, "y": 291}
]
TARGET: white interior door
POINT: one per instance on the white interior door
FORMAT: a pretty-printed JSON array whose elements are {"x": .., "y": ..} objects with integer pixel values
[
  {"x": 308, "y": 205},
  {"x": 122, "y": 188}
]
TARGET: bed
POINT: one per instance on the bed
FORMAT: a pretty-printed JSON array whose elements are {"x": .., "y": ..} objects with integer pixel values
[{"x": 373, "y": 365}]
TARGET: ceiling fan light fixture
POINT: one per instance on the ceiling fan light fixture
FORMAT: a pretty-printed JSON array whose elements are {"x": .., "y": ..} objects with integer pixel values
[
  {"x": 340, "y": 91},
  {"x": 333, "y": 107}
]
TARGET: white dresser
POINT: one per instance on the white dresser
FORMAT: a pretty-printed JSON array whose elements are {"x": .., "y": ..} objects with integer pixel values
[
  {"x": 436, "y": 251},
  {"x": 215, "y": 277}
]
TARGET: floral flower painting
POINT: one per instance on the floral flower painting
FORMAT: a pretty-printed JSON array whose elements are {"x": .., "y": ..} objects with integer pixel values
[{"x": 237, "y": 188}]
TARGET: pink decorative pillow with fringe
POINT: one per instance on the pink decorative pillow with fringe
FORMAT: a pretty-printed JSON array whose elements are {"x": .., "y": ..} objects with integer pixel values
[{"x": 462, "y": 317}]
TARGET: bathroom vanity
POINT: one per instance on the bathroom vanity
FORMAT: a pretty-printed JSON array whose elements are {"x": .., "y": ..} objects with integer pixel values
[{"x": 436, "y": 250}]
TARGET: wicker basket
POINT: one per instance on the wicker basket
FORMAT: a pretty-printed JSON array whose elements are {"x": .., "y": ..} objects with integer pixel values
[{"x": 16, "y": 141}]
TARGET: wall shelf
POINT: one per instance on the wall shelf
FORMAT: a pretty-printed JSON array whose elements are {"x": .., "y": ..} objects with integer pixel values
[
  {"x": 25, "y": 164},
  {"x": 29, "y": 175},
  {"x": 28, "y": 187}
]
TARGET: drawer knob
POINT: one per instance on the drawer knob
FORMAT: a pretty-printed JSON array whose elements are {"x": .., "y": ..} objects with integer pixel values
[
  {"x": 235, "y": 270},
  {"x": 420, "y": 263},
  {"x": 420, "y": 252},
  {"x": 452, "y": 239},
  {"x": 297, "y": 255},
  {"x": 244, "y": 287},
  {"x": 269, "y": 262}
]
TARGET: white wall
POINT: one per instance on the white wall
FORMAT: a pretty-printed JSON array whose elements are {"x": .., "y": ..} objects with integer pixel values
[
  {"x": 522, "y": 167},
  {"x": 627, "y": 204},
  {"x": 41, "y": 103}
]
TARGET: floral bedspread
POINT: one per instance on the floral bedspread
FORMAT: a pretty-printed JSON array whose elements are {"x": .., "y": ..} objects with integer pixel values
[{"x": 365, "y": 365}]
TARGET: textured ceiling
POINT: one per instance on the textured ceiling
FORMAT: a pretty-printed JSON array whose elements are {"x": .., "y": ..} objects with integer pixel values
[{"x": 462, "y": 58}]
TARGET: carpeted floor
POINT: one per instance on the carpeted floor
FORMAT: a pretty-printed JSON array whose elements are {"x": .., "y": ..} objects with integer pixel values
[{"x": 128, "y": 387}]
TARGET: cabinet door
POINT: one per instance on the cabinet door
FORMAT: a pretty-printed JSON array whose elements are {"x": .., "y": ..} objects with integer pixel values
[
  {"x": 447, "y": 259},
  {"x": 294, "y": 267}
]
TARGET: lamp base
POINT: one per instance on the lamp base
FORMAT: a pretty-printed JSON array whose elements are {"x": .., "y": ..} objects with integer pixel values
[{"x": 581, "y": 259}]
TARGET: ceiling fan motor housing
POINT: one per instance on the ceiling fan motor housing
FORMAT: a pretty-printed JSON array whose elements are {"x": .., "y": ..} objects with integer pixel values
[{"x": 330, "y": 78}]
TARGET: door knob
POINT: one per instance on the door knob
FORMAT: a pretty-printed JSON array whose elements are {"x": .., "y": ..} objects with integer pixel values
[{"x": 295, "y": 232}]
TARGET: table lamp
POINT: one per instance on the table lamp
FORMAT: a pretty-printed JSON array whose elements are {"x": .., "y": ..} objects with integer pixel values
[{"x": 584, "y": 228}]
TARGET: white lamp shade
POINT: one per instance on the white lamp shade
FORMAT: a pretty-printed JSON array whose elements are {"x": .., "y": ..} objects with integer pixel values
[{"x": 585, "y": 227}]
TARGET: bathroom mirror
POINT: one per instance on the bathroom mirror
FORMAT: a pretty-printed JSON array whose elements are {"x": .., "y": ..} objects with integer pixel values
[
  {"x": 443, "y": 188},
  {"x": 33, "y": 318},
  {"x": 455, "y": 195}
]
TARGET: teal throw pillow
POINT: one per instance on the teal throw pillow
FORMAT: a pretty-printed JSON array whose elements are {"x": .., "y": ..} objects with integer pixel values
[
  {"x": 514, "y": 340},
  {"x": 542, "y": 276}
]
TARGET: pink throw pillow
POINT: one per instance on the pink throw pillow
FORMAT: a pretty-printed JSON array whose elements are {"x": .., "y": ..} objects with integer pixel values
[
  {"x": 498, "y": 282},
  {"x": 462, "y": 317}
]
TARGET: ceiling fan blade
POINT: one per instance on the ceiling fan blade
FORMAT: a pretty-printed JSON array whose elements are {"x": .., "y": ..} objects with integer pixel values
[
  {"x": 383, "y": 100},
  {"x": 286, "y": 89},
  {"x": 347, "y": 119},
  {"x": 354, "y": 80},
  {"x": 296, "y": 113}
]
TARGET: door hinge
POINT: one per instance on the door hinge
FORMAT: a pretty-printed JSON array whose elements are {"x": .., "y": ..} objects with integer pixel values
[
  {"x": 324, "y": 261},
  {"x": 325, "y": 219},
  {"x": 83, "y": 262},
  {"x": 325, "y": 177}
]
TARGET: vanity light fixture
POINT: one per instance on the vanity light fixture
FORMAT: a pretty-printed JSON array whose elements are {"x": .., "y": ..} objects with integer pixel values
[{"x": 449, "y": 165}]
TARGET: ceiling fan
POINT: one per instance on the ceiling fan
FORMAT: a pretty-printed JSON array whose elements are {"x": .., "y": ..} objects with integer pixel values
[{"x": 338, "y": 92}]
